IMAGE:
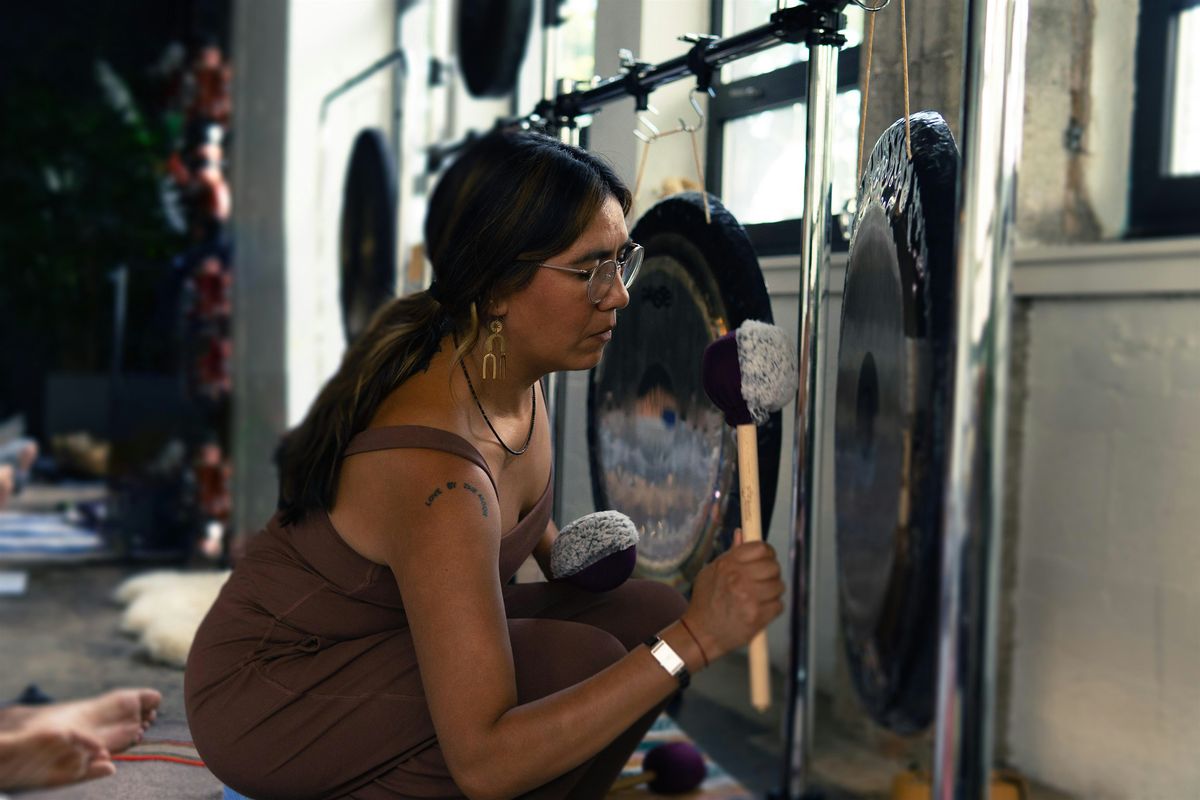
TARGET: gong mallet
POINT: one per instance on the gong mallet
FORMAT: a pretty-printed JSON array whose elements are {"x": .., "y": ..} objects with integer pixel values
[
  {"x": 596, "y": 552},
  {"x": 748, "y": 374},
  {"x": 671, "y": 768}
]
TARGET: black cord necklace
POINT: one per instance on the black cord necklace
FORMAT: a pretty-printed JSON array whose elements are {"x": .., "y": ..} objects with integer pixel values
[{"x": 532, "y": 415}]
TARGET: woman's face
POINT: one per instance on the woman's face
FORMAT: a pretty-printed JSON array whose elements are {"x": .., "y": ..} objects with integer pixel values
[{"x": 550, "y": 324}]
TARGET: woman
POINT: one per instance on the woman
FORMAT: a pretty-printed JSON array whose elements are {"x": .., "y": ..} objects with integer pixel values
[{"x": 367, "y": 646}]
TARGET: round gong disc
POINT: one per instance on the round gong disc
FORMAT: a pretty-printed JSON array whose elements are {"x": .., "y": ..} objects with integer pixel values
[
  {"x": 893, "y": 388},
  {"x": 492, "y": 35},
  {"x": 660, "y": 450},
  {"x": 368, "y": 234}
]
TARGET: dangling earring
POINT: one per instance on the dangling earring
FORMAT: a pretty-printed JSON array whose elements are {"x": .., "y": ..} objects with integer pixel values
[{"x": 497, "y": 338}]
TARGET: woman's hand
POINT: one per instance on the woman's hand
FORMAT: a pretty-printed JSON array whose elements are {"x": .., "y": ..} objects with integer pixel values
[{"x": 735, "y": 596}]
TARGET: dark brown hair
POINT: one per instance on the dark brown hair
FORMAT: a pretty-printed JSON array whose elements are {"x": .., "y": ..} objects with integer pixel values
[{"x": 510, "y": 200}]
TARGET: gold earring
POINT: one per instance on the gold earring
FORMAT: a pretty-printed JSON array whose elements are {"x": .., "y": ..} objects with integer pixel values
[{"x": 495, "y": 341}]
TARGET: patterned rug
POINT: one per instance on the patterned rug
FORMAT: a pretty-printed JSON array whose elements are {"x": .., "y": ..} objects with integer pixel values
[{"x": 719, "y": 785}]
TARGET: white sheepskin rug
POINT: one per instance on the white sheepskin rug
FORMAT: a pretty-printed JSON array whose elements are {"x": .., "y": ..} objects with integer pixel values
[{"x": 165, "y": 609}]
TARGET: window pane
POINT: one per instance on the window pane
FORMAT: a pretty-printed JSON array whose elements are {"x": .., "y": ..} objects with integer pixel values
[
  {"x": 762, "y": 167},
  {"x": 1184, "y": 150},
  {"x": 577, "y": 40},
  {"x": 742, "y": 15}
]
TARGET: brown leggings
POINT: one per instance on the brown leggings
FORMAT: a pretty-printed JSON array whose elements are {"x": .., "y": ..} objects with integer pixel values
[{"x": 560, "y": 636}]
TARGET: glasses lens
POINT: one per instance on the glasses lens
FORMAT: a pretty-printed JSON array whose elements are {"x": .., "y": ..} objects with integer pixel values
[
  {"x": 601, "y": 281},
  {"x": 632, "y": 262}
]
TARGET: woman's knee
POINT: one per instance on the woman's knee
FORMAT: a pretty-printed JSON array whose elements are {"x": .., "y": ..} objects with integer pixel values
[{"x": 550, "y": 655}]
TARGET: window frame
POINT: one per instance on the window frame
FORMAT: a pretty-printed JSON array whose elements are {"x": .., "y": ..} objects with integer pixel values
[
  {"x": 771, "y": 90},
  {"x": 1159, "y": 204}
]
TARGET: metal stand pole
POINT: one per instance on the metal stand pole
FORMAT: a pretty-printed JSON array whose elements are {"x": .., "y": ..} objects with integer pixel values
[
  {"x": 558, "y": 381},
  {"x": 802, "y": 544},
  {"x": 991, "y": 135}
]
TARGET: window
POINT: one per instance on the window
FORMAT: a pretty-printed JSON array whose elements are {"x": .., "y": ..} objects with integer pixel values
[
  {"x": 577, "y": 35},
  {"x": 758, "y": 118},
  {"x": 1165, "y": 184}
]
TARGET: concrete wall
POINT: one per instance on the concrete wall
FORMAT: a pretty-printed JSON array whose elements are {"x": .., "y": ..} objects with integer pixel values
[{"x": 1106, "y": 646}]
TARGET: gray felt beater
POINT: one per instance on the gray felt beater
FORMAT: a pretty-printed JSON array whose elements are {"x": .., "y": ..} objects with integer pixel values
[
  {"x": 748, "y": 374},
  {"x": 596, "y": 552}
]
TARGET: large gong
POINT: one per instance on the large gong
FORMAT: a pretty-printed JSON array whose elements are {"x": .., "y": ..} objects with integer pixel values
[
  {"x": 660, "y": 451},
  {"x": 492, "y": 37},
  {"x": 892, "y": 398},
  {"x": 368, "y": 234}
]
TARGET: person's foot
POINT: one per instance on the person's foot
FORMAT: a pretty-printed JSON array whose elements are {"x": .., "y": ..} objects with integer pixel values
[
  {"x": 117, "y": 718},
  {"x": 32, "y": 759},
  {"x": 27, "y": 456},
  {"x": 7, "y": 483}
]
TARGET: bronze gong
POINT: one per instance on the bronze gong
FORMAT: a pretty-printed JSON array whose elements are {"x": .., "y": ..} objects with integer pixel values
[{"x": 660, "y": 451}]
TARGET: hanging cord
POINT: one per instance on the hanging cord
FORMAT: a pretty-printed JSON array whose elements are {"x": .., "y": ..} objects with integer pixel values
[
  {"x": 700, "y": 175},
  {"x": 641, "y": 170},
  {"x": 866, "y": 93},
  {"x": 655, "y": 134},
  {"x": 904, "y": 60}
]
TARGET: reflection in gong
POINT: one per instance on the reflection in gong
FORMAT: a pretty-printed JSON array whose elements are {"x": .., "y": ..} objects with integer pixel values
[
  {"x": 660, "y": 450},
  {"x": 659, "y": 441},
  {"x": 368, "y": 232}
]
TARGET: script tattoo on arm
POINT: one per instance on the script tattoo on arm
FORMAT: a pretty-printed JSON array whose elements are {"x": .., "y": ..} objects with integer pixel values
[{"x": 455, "y": 486}]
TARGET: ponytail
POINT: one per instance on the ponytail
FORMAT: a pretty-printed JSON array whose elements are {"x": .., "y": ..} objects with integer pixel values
[{"x": 399, "y": 342}]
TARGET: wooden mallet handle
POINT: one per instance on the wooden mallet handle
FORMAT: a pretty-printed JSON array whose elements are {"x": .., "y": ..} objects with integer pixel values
[{"x": 760, "y": 668}]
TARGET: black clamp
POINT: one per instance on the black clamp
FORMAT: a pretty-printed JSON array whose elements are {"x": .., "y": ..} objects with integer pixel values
[
  {"x": 633, "y": 69},
  {"x": 697, "y": 63},
  {"x": 811, "y": 24}
]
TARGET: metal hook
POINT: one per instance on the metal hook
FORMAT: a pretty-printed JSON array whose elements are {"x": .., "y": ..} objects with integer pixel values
[{"x": 683, "y": 126}]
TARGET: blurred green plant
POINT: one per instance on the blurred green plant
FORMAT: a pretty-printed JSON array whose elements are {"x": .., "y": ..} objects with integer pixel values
[{"x": 80, "y": 181}]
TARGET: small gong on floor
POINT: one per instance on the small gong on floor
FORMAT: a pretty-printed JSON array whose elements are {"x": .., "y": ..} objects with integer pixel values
[{"x": 893, "y": 396}]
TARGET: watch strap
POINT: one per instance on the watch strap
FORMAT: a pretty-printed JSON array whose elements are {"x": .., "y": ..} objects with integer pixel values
[{"x": 671, "y": 661}]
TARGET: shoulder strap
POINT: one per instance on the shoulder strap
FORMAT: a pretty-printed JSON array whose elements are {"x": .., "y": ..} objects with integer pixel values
[{"x": 395, "y": 437}]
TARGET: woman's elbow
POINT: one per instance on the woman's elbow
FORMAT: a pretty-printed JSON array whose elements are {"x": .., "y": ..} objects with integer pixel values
[
  {"x": 484, "y": 774},
  {"x": 480, "y": 783}
]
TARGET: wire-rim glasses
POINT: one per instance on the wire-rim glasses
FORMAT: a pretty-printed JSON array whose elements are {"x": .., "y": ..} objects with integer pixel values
[{"x": 602, "y": 276}]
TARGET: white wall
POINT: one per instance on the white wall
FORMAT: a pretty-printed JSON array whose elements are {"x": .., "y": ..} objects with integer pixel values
[
  {"x": 1105, "y": 691},
  {"x": 329, "y": 43}
]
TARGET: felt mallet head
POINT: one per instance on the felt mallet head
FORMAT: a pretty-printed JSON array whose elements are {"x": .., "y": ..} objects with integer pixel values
[
  {"x": 671, "y": 768},
  {"x": 596, "y": 552},
  {"x": 750, "y": 372}
]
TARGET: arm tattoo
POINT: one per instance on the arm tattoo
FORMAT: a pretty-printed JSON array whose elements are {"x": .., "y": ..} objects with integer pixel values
[{"x": 464, "y": 486}]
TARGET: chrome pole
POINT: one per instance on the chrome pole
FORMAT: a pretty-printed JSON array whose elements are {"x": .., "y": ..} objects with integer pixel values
[
  {"x": 558, "y": 383},
  {"x": 972, "y": 514},
  {"x": 802, "y": 543}
]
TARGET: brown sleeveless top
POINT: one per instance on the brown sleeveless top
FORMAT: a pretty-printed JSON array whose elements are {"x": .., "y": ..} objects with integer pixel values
[{"x": 306, "y": 629}]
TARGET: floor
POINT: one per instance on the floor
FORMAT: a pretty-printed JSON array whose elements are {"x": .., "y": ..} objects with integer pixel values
[{"x": 63, "y": 634}]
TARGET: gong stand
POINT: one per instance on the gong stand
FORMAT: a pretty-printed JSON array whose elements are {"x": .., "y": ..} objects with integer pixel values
[{"x": 993, "y": 100}]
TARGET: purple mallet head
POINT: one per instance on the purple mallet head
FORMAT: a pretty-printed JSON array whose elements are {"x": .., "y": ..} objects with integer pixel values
[
  {"x": 608, "y": 573},
  {"x": 723, "y": 380},
  {"x": 596, "y": 552},
  {"x": 678, "y": 767},
  {"x": 750, "y": 372}
]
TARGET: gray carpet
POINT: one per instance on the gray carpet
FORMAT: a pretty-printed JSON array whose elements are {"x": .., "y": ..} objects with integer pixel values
[{"x": 62, "y": 635}]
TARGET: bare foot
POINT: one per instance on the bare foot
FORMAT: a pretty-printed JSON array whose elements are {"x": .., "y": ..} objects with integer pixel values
[
  {"x": 117, "y": 718},
  {"x": 40, "y": 758},
  {"x": 7, "y": 482},
  {"x": 27, "y": 456}
]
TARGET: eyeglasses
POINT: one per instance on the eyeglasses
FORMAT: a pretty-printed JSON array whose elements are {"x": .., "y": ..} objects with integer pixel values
[{"x": 601, "y": 277}]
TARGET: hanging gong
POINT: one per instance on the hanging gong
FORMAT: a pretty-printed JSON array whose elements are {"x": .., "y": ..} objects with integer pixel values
[
  {"x": 893, "y": 393},
  {"x": 368, "y": 234},
  {"x": 492, "y": 35},
  {"x": 660, "y": 451}
]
